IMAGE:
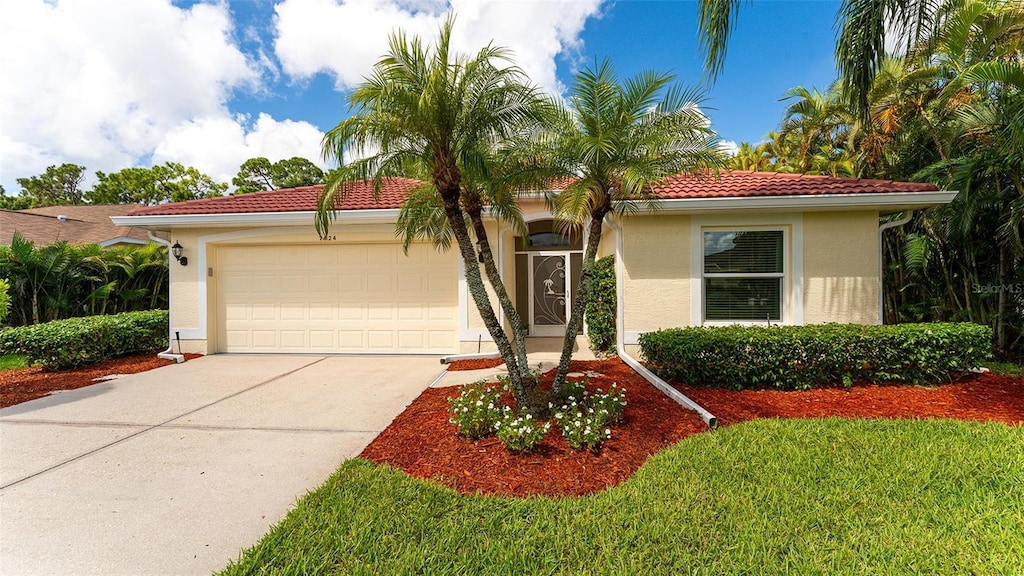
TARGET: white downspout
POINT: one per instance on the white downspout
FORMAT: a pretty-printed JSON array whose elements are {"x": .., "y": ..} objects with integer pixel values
[
  {"x": 881, "y": 247},
  {"x": 633, "y": 363},
  {"x": 167, "y": 354}
]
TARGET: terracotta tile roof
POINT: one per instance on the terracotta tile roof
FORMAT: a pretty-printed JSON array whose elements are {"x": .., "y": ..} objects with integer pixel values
[
  {"x": 84, "y": 224},
  {"x": 733, "y": 184},
  {"x": 742, "y": 184},
  {"x": 393, "y": 193}
]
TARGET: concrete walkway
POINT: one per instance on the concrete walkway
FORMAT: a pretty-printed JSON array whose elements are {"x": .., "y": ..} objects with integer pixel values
[{"x": 176, "y": 470}]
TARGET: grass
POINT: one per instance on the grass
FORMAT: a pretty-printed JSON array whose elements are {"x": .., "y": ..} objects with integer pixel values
[
  {"x": 828, "y": 496},
  {"x": 1006, "y": 368},
  {"x": 13, "y": 362}
]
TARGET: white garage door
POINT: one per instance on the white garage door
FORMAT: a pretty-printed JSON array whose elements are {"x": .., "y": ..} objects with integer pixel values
[{"x": 336, "y": 298}]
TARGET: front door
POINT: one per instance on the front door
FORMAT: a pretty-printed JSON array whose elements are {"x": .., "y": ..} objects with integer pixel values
[{"x": 549, "y": 301}]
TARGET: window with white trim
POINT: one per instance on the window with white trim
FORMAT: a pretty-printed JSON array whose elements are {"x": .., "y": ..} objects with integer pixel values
[{"x": 743, "y": 275}]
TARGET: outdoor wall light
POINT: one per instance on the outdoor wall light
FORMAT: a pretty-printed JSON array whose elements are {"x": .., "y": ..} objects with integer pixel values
[{"x": 176, "y": 251}]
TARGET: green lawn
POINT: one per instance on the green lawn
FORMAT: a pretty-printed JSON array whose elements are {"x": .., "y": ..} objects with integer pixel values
[
  {"x": 1007, "y": 368},
  {"x": 12, "y": 361},
  {"x": 826, "y": 496}
]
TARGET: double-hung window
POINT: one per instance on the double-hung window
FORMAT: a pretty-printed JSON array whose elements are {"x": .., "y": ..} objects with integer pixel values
[{"x": 743, "y": 275}]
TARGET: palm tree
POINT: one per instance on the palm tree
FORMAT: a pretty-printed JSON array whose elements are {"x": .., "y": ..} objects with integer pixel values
[
  {"x": 865, "y": 26},
  {"x": 618, "y": 139},
  {"x": 820, "y": 122},
  {"x": 430, "y": 107}
]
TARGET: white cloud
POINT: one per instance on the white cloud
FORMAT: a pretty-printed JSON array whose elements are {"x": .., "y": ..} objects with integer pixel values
[
  {"x": 98, "y": 82},
  {"x": 729, "y": 147},
  {"x": 218, "y": 145},
  {"x": 346, "y": 37}
]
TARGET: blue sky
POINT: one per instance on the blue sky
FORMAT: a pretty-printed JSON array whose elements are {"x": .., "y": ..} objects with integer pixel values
[{"x": 115, "y": 83}]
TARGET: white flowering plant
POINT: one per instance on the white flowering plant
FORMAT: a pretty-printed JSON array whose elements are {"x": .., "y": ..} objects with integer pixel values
[
  {"x": 610, "y": 404},
  {"x": 583, "y": 415},
  {"x": 520, "y": 432},
  {"x": 582, "y": 427},
  {"x": 476, "y": 409}
]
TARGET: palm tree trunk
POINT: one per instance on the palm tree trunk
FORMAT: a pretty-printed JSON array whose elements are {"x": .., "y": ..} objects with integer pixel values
[
  {"x": 494, "y": 277},
  {"x": 525, "y": 394},
  {"x": 572, "y": 328}
]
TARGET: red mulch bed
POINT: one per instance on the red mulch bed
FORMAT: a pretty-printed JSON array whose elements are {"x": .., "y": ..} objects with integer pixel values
[
  {"x": 983, "y": 397},
  {"x": 422, "y": 443},
  {"x": 478, "y": 364},
  {"x": 24, "y": 384}
]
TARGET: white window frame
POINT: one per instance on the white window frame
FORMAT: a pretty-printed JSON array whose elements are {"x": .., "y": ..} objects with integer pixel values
[{"x": 791, "y": 226}]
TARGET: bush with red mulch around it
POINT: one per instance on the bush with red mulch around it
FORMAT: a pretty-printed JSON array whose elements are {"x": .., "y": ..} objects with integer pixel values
[
  {"x": 424, "y": 444},
  {"x": 476, "y": 364},
  {"x": 24, "y": 384}
]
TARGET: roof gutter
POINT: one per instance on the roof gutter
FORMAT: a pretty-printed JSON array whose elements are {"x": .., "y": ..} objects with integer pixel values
[
  {"x": 620, "y": 346},
  {"x": 167, "y": 354},
  {"x": 887, "y": 201},
  {"x": 373, "y": 216}
]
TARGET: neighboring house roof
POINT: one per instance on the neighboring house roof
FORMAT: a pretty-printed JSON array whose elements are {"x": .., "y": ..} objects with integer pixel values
[
  {"x": 83, "y": 224},
  {"x": 729, "y": 191}
]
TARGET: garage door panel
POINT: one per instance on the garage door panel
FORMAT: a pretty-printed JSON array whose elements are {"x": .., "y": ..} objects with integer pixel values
[
  {"x": 336, "y": 298},
  {"x": 263, "y": 284},
  {"x": 322, "y": 311},
  {"x": 323, "y": 284},
  {"x": 322, "y": 340},
  {"x": 293, "y": 311},
  {"x": 294, "y": 283},
  {"x": 264, "y": 340},
  {"x": 294, "y": 340},
  {"x": 380, "y": 339}
]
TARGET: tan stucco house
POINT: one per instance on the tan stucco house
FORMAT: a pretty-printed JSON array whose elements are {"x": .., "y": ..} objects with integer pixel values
[{"x": 745, "y": 247}]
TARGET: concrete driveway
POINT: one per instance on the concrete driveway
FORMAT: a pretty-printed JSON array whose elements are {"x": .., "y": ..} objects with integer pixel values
[{"x": 175, "y": 470}]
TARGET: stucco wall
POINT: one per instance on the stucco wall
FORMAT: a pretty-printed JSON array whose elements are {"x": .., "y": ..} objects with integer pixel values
[
  {"x": 841, "y": 267},
  {"x": 656, "y": 272}
]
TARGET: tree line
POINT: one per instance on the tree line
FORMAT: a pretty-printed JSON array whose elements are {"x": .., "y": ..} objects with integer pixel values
[
  {"x": 168, "y": 182},
  {"x": 950, "y": 110},
  {"x": 63, "y": 280}
]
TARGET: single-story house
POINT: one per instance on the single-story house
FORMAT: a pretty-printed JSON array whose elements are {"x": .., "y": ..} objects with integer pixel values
[
  {"x": 745, "y": 247},
  {"x": 78, "y": 224}
]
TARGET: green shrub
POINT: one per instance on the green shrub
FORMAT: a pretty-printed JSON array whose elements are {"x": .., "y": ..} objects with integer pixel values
[
  {"x": 476, "y": 409},
  {"x": 801, "y": 357},
  {"x": 88, "y": 340},
  {"x": 600, "y": 311},
  {"x": 5, "y": 300}
]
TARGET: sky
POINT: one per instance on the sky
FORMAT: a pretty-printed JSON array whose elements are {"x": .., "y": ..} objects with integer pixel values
[{"x": 110, "y": 84}]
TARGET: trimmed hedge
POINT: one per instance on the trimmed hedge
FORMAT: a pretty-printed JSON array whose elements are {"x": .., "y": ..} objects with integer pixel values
[
  {"x": 600, "y": 312},
  {"x": 802, "y": 357},
  {"x": 87, "y": 340}
]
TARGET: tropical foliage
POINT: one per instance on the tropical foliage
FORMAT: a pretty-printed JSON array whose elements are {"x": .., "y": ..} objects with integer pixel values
[
  {"x": 62, "y": 280},
  {"x": 256, "y": 174},
  {"x": 617, "y": 139},
  {"x": 950, "y": 110},
  {"x": 429, "y": 110}
]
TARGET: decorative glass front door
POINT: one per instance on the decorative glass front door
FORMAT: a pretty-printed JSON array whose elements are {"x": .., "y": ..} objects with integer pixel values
[{"x": 549, "y": 302}]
